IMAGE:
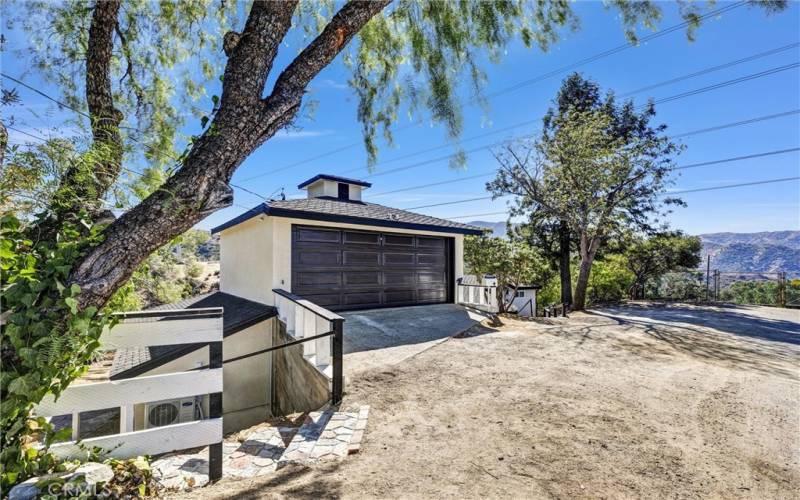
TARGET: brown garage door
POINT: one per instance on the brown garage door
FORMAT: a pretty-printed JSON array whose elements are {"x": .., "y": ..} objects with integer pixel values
[{"x": 343, "y": 269}]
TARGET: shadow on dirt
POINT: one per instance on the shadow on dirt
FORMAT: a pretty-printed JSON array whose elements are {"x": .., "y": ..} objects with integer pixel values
[
  {"x": 728, "y": 336},
  {"x": 294, "y": 481}
]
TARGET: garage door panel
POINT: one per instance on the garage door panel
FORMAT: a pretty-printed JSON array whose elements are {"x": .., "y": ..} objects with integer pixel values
[
  {"x": 428, "y": 278},
  {"x": 432, "y": 295},
  {"x": 362, "y": 298},
  {"x": 426, "y": 242},
  {"x": 400, "y": 297},
  {"x": 398, "y": 259},
  {"x": 318, "y": 235},
  {"x": 362, "y": 278},
  {"x": 313, "y": 278},
  {"x": 398, "y": 279},
  {"x": 319, "y": 258},
  {"x": 431, "y": 259},
  {"x": 347, "y": 269},
  {"x": 353, "y": 258},
  {"x": 391, "y": 240},
  {"x": 359, "y": 238}
]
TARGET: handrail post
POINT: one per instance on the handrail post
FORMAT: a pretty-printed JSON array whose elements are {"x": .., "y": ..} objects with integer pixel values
[
  {"x": 337, "y": 346},
  {"x": 215, "y": 411}
]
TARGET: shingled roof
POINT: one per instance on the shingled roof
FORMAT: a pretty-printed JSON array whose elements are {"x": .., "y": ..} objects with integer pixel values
[
  {"x": 238, "y": 314},
  {"x": 351, "y": 212}
]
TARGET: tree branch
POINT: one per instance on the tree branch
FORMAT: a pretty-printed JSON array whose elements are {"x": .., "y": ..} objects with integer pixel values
[
  {"x": 291, "y": 84},
  {"x": 252, "y": 53}
]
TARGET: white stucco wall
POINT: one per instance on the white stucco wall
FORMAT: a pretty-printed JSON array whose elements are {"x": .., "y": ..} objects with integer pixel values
[
  {"x": 331, "y": 188},
  {"x": 247, "y": 384},
  {"x": 245, "y": 253}
]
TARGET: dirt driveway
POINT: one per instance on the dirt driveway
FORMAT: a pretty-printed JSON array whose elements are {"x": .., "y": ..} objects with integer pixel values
[{"x": 646, "y": 402}]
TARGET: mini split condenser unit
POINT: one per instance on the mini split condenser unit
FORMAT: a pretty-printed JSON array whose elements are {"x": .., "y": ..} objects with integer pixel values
[{"x": 168, "y": 412}]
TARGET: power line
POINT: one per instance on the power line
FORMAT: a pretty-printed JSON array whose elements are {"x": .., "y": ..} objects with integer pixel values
[
  {"x": 727, "y": 83},
  {"x": 498, "y": 143},
  {"x": 737, "y": 124},
  {"x": 663, "y": 100},
  {"x": 46, "y": 96},
  {"x": 416, "y": 153},
  {"x": 539, "y": 78},
  {"x": 682, "y": 167},
  {"x": 713, "y": 188},
  {"x": 673, "y": 80},
  {"x": 712, "y": 69},
  {"x": 478, "y": 215},
  {"x": 737, "y": 158},
  {"x": 728, "y": 186},
  {"x": 420, "y": 186}
]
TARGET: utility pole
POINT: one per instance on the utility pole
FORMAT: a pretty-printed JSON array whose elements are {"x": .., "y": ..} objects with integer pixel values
[
  {"x": 782, "y": 289},
  {"x": 708, "y": 274}
]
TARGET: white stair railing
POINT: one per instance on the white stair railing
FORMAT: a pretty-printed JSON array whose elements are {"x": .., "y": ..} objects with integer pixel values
[
  {"x": 478, "y": 296},
  {"x": 304, "y": 319}
]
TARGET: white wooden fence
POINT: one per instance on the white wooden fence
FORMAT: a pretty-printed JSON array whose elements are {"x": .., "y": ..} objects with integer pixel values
[
  {"x": 479, "y": 297},
  {"x": 151, "y": 328}
]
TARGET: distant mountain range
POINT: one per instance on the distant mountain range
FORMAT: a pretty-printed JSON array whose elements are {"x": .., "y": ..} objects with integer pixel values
[
  {"x": 763, "y": 252},
  {"x": 754, "y": 252}
]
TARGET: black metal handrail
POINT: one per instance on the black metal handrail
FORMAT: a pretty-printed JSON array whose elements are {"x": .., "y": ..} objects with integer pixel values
[{"x": 318, "y": 310}]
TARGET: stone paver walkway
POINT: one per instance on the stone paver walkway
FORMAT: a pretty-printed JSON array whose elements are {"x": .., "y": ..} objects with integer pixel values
[{"x": 325, "y": 435}]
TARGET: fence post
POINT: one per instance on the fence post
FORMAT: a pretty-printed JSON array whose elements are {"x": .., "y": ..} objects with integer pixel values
[
  {"x": 215, "y": 411},
  {"x": 782, "y": 289},
  {"x": 338, "y": 377}
]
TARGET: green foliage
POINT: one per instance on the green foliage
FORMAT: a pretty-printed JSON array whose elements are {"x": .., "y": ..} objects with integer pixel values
[
  {"x": 47, "y": 341},
  {"x": 513, "y": 263},
  {"x": 752, "y": 292},
  {"x": 678, "y": 286},
  {"x": 610, "y": 280},
  {"x": 166, "y": 53},
  {"x": 550, "y": 292},
  {"x": 30, "y": 175},
  {"x": 649, "y": 258}
]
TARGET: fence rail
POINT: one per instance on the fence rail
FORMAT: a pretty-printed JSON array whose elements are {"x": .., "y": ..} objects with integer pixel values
[
  {"x": 479, "y": 297},
  {"x": 320, "y": 331},
  {"x": 144, "y": 329}
]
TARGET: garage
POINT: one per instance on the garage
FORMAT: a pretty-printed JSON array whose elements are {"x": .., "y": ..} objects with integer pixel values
[{"x": 344, "y": 269}]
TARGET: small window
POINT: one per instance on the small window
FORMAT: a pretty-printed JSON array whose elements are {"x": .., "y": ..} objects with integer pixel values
[
  {"x": 344, "y": 191},
  {"x": 520, "y": 293}
]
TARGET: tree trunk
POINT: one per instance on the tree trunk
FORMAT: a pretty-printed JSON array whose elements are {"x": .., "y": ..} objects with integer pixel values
[
  {"x": 588, "y": 251},
  {"x": 564, "y": 263},
  {"x": 243, "y": 122}
]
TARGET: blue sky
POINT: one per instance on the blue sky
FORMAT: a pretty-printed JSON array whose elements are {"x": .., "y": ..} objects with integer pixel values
[{"x": 737, "y": 34}]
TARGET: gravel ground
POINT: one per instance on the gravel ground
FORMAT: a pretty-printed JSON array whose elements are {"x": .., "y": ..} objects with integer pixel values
[{"x": 636, "y": 401}]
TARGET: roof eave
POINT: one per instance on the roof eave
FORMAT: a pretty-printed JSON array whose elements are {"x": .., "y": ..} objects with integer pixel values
[
  {"x": 253, "y": 212},
  {"x": 265, "y": 209},
  {"x": 366, "y": 221}
]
